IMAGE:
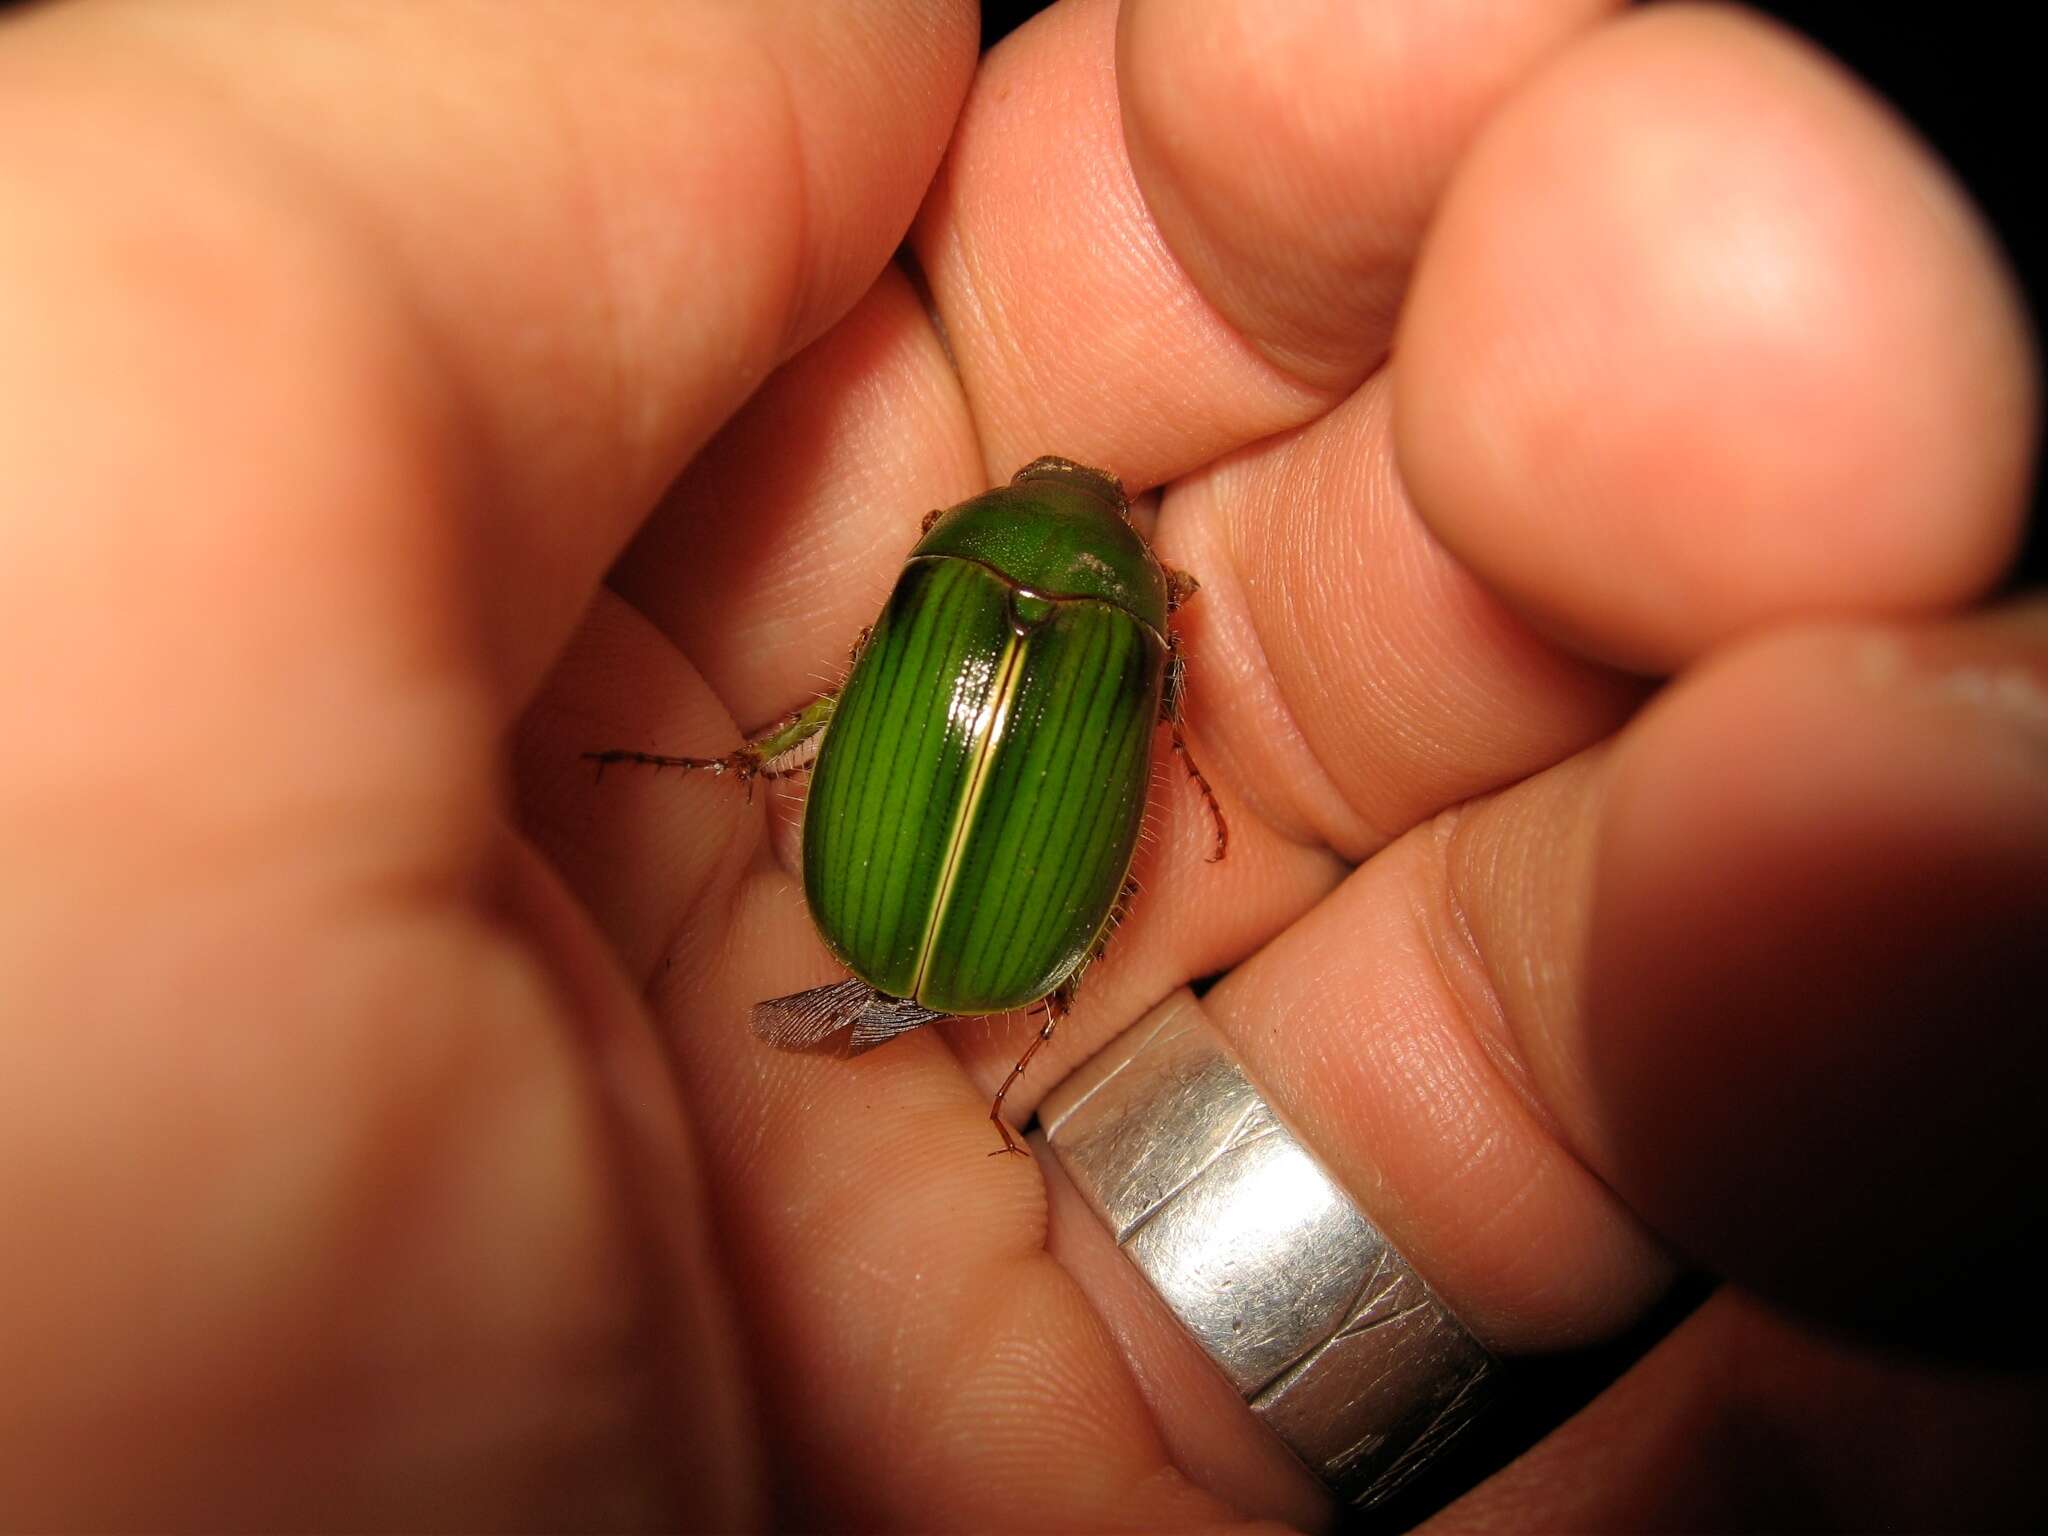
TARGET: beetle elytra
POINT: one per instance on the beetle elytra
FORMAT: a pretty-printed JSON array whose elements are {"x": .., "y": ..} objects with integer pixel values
[{"x": 978, "y": 783}]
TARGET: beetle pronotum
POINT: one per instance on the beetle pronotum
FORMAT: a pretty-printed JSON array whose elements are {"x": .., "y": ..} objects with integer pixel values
[{"x": 975, "y": 803}]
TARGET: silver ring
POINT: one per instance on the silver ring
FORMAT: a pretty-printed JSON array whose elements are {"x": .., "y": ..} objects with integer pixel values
[{"x": 1329, "y": 1336}]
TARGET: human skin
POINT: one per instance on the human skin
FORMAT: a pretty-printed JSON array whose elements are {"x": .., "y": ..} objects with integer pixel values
[{"x": 1595, "y": 437}]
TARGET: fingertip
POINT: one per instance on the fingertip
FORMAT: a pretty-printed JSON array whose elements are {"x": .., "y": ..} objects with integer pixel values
[
  {"x": 1072, "y": 326},
  {"x": 781, "y": 538},
  {"x": 1292, "y": 155},
  {"x": 1703, "y": 339},
  {"x": 1813, "y": 969}
]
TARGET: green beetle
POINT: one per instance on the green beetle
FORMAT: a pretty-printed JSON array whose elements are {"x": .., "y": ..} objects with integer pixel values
[{"x": 975, "y": 804}]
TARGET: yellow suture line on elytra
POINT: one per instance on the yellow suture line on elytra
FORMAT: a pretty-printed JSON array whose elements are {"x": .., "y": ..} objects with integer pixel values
[{"x": 987, "y": 730}]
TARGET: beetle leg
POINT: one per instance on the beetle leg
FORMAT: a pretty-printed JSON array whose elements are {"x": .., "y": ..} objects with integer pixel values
[
  {"x": 1170, "y": 711},
  {"x": 930, "y": 517},
  {"x": 776, "y": 753},
  {"x": 776, "y": 750},
  {"x": 1180, "y": 586},
  {"x": 742, "y": 763},
  {"x": 1055, "y": 1009}
]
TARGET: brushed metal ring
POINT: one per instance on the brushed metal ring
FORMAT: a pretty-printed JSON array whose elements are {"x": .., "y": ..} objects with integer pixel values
[{"x": 1324, "y": 1330}]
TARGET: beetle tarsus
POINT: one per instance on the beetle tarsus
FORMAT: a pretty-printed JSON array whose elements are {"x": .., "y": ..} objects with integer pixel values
[{"x": 1010, "y": 1144}]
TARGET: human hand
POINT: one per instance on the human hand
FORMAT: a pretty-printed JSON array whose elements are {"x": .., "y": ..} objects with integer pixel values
[
  {"x": 342, "y": 1181},
  {"x": 336, "y": 1131}
]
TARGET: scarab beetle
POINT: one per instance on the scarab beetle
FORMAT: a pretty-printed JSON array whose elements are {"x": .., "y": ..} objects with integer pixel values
[{"x": 978, "y": 783}]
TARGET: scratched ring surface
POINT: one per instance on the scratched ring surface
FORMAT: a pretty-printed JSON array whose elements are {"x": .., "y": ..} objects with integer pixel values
[{"x": 1322, "y": 1327}]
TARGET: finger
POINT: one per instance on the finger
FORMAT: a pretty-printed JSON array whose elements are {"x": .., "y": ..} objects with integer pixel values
[
  {"x": 1351, "y": 678},
  {"x": 782, "y": 538},
  {"x": 1076, "y": 328},
  {"x": 1389, "y": 680},
  {"x": 1702, "y": 340},
  {"x": 1291, "y": 156},
  {"x": 1739, "y": 1421},
  {"x": 1512, "y": 1172},
  {"x": 1686, "y": 991},
  {"x": 1812, "y": 945},
  {"x": 520, "y": 326}
]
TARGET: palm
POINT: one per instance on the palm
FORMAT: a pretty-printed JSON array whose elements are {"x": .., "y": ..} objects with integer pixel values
[{"x": 578, "y": 1252}]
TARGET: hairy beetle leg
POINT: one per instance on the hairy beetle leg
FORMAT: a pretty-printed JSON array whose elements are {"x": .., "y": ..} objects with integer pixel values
[
  {"x": 1056, "y": 1004},
  {"x": 743, "y": 762},
  {"x": 783, "y": 749},
  {"x": 1170, "y": 711},
  {"x": 1208, "y": 796}
]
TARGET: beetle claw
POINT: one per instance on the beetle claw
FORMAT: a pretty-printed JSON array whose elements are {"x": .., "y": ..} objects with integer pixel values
[{"x": 1010, "y": 1144}]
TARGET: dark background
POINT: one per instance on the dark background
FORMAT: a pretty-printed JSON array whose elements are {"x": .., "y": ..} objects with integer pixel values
[{"x": 1960, "y": 74}]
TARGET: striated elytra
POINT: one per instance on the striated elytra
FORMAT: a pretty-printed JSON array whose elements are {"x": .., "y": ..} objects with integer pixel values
[{"x": 978, "y": 784}]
